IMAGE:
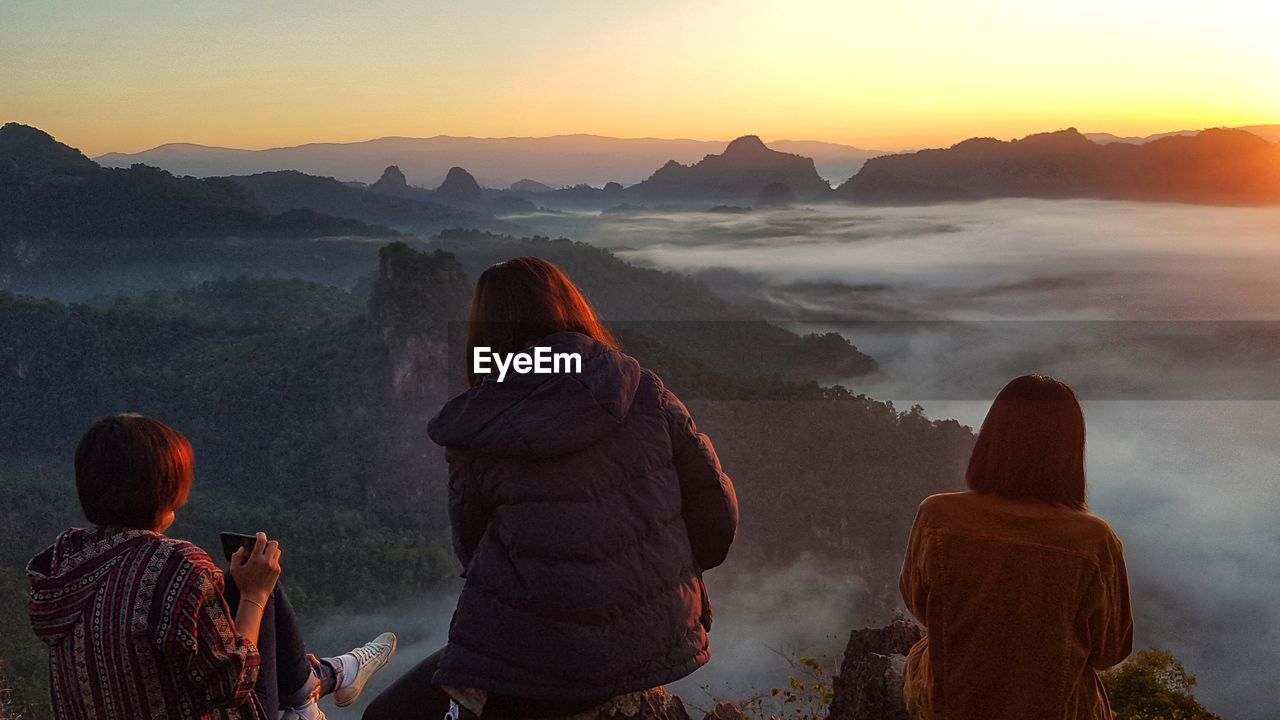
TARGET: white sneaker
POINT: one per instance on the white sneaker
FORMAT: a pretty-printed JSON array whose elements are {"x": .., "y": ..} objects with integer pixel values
[
  {"x": 310, "y": 711},
  {"x": 372, "y": 656}
]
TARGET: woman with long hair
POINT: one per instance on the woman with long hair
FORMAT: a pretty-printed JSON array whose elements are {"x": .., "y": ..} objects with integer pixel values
[
  {"x": 585, "y": 508},
  {"x": 1024, "y": 593}
]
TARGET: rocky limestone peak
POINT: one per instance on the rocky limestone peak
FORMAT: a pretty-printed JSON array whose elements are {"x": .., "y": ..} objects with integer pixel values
[
  {"x": 460, "y": 186},
  {"x": 746, "y": 146},
  {"x": 392, "y": 182}
]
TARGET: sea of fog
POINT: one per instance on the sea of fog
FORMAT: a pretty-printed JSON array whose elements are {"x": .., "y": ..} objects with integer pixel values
[{"x": 1164, "y": 317}]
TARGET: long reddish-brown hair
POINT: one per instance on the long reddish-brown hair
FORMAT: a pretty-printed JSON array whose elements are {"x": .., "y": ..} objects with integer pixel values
[
  {"x": 1031, "y": 445},
  {"x": 521, "y": 300}
]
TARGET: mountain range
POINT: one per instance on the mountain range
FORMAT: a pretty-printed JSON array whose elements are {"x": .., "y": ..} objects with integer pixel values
[
  {"x": 51, "y": 194},
  {"x": 1270, "y": 133},
  {"x": 1217, "y": 166},
  {"x": 555, "y": 161},
  {"x": 747, "y": 169},
  {"x": 403, "y": 208}
]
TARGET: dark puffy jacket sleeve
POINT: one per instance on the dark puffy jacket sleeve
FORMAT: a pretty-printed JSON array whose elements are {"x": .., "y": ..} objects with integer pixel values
[
  {"x": 467, "y": 514},
  {"x": 709, "y": 503}
]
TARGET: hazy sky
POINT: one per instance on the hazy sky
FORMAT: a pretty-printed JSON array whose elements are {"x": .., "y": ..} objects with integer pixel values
[{"x": 128, "y": 75}]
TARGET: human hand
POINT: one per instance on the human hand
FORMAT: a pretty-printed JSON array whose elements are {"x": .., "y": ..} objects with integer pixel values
[{"x": 257, "y": 570}]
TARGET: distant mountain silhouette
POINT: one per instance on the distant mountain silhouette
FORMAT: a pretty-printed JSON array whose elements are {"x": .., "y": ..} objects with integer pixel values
[
  {"x": 496, "y": 162},
  {"x": 393, "y": 183},
  {"x": 459, "y": 188},
  {"x": 530, "y": 186},
  {"x": 1270, "y": 133},
  {"x": 387, "y": 202},
  {"x": 743, "y": 170},
  {"x": 1218, "y": 166},
  {"x": 52, "y": 195}
]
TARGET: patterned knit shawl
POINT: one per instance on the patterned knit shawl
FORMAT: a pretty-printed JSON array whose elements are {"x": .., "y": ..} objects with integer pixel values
[{"x": 137, "y": 628}]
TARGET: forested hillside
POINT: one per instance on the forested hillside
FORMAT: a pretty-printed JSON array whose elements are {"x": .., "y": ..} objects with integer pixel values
[{"x": 307, "y": 407}]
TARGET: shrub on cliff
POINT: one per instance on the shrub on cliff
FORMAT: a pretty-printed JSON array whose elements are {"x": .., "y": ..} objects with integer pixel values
[{"x": 1153, "y": 685}]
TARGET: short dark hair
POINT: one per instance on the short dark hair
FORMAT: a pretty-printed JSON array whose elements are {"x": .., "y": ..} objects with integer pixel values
[
  {"x": 129, "y": 469},
  {"x": 1031, "y": 446}
]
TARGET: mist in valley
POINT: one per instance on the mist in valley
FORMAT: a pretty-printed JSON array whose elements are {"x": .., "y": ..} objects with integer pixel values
[{"x": 1163, "y": 317}]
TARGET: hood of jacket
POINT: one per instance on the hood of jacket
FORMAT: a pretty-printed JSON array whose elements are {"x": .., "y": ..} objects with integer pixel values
[
  {"x": 62, "y": 576},
  {"x": 543, "y": 415}
]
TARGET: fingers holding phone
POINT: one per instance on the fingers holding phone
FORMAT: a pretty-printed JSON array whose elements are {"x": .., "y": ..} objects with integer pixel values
[{"x": 256, "y": 570}]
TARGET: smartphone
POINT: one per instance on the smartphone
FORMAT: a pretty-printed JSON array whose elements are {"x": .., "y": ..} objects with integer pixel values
[{"x": 231, "y": 542}]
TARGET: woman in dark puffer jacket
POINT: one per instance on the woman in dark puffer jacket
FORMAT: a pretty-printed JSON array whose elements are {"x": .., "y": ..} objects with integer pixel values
[{"x": 585, "y": 508}]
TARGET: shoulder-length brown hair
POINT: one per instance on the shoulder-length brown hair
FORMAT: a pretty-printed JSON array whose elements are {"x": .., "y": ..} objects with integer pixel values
[
  {"x": 521, "y": 300},
  {"x": 1031, "y": 445}
]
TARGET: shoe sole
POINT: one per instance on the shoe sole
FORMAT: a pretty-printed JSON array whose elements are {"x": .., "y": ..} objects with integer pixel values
[{"x": 358, "y": 686}]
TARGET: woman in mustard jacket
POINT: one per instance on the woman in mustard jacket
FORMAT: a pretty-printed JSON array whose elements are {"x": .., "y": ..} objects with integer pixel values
[{"x": 1024, "y": 593}]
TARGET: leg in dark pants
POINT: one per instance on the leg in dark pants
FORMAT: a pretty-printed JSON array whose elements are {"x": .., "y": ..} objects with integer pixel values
[
  {"x": 286, "y": 670},
  {"x": 411, "y": 696}
]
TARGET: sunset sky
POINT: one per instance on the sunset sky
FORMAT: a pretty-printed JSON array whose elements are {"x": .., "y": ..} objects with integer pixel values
[{"x": 127, "y": 76}]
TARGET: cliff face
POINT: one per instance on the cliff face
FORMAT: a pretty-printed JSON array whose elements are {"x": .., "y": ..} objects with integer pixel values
[
  {"x": 1214, "y": 166},
  {"x": 414, "y": 300},
  {"x": 742, "y": 171}
]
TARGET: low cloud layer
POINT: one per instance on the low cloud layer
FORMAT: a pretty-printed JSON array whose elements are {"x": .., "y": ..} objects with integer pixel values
[{"x": 1181, "y": 405}]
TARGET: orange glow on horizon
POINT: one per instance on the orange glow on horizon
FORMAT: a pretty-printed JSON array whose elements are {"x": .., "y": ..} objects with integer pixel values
[{"x": 134, "y": 75}]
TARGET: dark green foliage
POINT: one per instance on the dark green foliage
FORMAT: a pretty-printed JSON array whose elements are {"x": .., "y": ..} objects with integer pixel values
[
  {"x": 251, "y": 304},
  {"x": 38, "y": 500},
  {"x": 417, "y": 293},
  {"x": 1153, "y": 685},
  {"x": 308, "y": 417}
]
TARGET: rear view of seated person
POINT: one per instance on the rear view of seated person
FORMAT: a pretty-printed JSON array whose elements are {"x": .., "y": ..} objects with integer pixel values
[
  {"x": 1023, "y": 590},
  {"x": 140, "y": 625}
]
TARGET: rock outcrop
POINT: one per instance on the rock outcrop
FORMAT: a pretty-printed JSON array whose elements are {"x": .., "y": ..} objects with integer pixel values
[
  {"x": 742, "y": 171},
  {"x": 656, "y": 704},
  {"x": 869, "y": 686},
  {"x": 393, "y": 183},
  {"x": 459, "y": 188}
]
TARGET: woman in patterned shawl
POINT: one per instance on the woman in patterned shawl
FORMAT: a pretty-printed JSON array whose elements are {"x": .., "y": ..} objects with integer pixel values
[{"x": 140, "y": 625}]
